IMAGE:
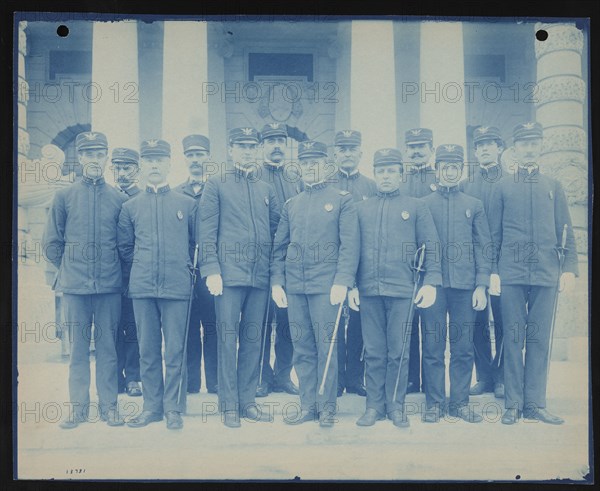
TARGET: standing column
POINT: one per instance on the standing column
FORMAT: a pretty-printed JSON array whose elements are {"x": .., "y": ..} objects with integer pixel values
[
  {"x": 442, "y": 74},
  {"x": 114, "y": 92},
  {"x": 373, "y": 86},
  {"x": 185, "y": 74},
  {"x": 561, "y": 109},
  {"x": 22, "y": 136}
]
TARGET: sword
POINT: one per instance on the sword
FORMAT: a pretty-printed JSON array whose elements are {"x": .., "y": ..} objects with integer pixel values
[
  {"x": 331, "y": 345},
  {"x": 264, "y": 342},
  {"x": 417, "y": 269},
  {"x": 187, "y": 323},
  {"x": 560, "y": 256}
]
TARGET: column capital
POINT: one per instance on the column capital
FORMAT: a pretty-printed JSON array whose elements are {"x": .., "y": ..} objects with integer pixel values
[{"x": 561, "y": 36}]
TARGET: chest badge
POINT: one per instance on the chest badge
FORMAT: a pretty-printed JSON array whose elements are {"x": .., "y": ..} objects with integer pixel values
[
  {"x": 468, "y": 213},
  {"x": 266, "y": 201},
  {"x": 551, "y": 195},
  {"x": 433, "y": 187},
  {"x": 328, "y": 207},
  {"x": 180, "y": 214},
  {"x": 405, "y": 215}
]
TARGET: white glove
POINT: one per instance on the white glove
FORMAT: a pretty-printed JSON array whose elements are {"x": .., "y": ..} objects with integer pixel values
[
  {"x": 567, "y": 282},
  {"x": 495, "y": 285},
  {"x": 353, "y": 299},
  {"x": 426, "y": 296},
  {"x": 479, "y": 298},
  {"x": 337, "y": 294},
  {"x": 214, "y": 283},
  {"x": 279, "y": 297}
]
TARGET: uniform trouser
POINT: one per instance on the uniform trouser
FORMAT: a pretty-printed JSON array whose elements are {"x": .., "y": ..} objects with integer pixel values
[
  {"x": 128, "y": 349},
  {"x": 414, "y": 364},
  {"x": 240, "y": 314},
  {"x": 284, "y": 349},
  {"x": 490, "y": 370},
  {"x": 351, "y": 369},
  {"x": 385, "y": 332},
  {"x": 80, "y": 312},
  {"x": 202, "y": 314},
  {"x": 458, "y": 305},
  {"x": 312, "y": 321},
  {"x": 158, "y": 317},
  {"x": 527, "y": 314}
]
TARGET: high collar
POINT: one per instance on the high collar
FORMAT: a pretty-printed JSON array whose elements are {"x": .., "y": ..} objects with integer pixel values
[
  {"x": 160, "y": 189},
  {"x": 391, "y": 194},
  {"x": 273, "y": 165},
  {"x": 245, "y": 172},
  {"x": 529, "y": 170},
  {"x": 446, "y": 190},
  {"x": 315, "y": 187},
  {"x": 349, "y": 175},
  {"x": 93, "y": 182},
  {"x": 129, "y": 190}
]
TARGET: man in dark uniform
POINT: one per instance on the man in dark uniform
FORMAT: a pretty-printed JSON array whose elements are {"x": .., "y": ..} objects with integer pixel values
[
  {"x": 418, "y": 180},
  {"x": 156, "y": 240},
  {"x": 125, "y": 165},
  {"x": 80, "y": 239},
  {"x": 392, "y": 228},
  {"x": 528, "y": 216},
  {"x": 463, "y": 232},
  {"x": 315, "y": 259},
  {"x": 286, "y": 182},
  {"x": 238, "y": 217},
  {"x": 196, "y": 149},
  {"x": 351, "y": 367},
  {"x": 479, "y": 184}
]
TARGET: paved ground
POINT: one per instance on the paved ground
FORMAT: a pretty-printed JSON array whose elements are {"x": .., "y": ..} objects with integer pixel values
[{"x": 205, "y": 449}]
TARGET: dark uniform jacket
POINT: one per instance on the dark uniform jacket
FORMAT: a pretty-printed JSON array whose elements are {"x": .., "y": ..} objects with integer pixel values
[
  {"x": 359, "y": 186},
  {"x": 80, "y": 238},
  {"x": 238, "y": 217},
  {"x": 392, "y": 228},
  {"x": 187, "y": 188},
  {"x": 418, "y": 182},
  {"x": 465, "y": 248},
  {"x": 156, "y": 238},
  {"x": 481, "y": 182},
  {"x": 129, "y": 193},
  {"x": 317, "y": 242},
  {"x": 285, "y": 179},
  {"x": 528, "y": 212}
]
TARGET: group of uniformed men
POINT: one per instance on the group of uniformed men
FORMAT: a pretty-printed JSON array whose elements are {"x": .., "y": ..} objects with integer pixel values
[{"x": 359, "y": 275}]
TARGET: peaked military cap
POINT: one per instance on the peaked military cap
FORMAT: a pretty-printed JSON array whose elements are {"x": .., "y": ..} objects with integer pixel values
[
  {"x": 91, "y": 139},
  {"x": 418, "y": 135},
  {"x": 387, "y": 156},
  {"x": 243, "y": 135},
  {"x": 310, "y": 148},
  {"x": 158, "y": 148},
  {"x": 271, "y": 130},
  {"x": 125, "y": 156},
  {"x": 528, "y": 130},
  {"x": 348, "y": 137},
  {"x": 449, "y": 153},
  {"x": 484, "y": 133},
  {"x": 196, "y": 142}
]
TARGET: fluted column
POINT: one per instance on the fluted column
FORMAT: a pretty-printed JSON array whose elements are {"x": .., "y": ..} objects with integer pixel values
[
  {"x": 373, "y": 86},
  {"x": 114, "y": 92},
  {"x": 185, "y": 75}
]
